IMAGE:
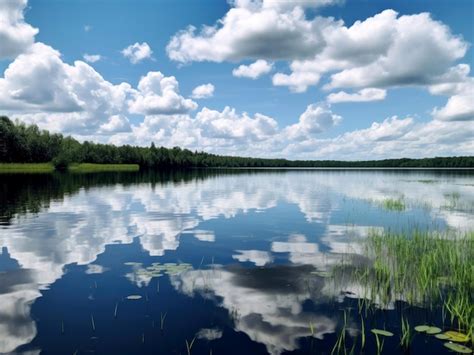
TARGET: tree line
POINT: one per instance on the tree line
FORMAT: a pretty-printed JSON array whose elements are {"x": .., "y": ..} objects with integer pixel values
[{"x": 20, "y": 143}]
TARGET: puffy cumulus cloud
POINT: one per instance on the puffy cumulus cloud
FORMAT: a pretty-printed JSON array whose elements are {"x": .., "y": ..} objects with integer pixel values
[
  {"x": 254, "y": 70},
  {"x": 39, "y": 87},
  {"x": 211, "y": 130},
  {"x": 137, "y": 52},
  {"x": 296, "y": 81},
  {"x": 379, "y": 52},
  {"x": 393, "y": 138},
  {"x": 460, "y": 105},
  {"x": 92, "y": 58},
  {"x": 410, "y": 58},
  {"x": 250, "y": 31},
  {"x": 16, "y": 36},
  {"x": 364, "y": 95},
  {"x": 230, "y": 125},
  {"x": 116, "y": 123},
  {"x": 382, "y": 51},
  {"x": 381, "y": 46},
  {"x": 159, "y": 95},
  {"x": 39, "y": 80},
  {"x": 203, "y": 91},
  {"x": 316, "y": 119}
]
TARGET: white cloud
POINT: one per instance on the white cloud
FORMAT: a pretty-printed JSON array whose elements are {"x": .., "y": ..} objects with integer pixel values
[
  {"x": 16, "y": 36},
  {"x": 379, "y": 52},
  {"x": 229, "y": 125},
  {"x": 116, "y": 123},
  {"x": 250, "y": 32},
  {"x": 137, "y": 52},
  {"x": 222, "y": 132},
  {"x": 158, "y": 94},
  {"x": 296, "y": 81},
  {"x": 364, "y": 95},
  {"x": 92, "y": 58},
  {"x": 58, "y": 96},
  {"x": 316, "y": 119},
  {"x": 460, "y": 105},
  {"x": 254, "y": 70},
  {"x": 203, "y": 91}
]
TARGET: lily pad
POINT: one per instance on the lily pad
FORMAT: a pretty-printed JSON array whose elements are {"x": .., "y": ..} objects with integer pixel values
[
  {"x": 458, "y": 348},
  {"x": 433, "y": 330},
  {"x": 382, "y": 332},
  {"x": 457, "y": 336},
  {"x": 442, "y": 336},
  {"x": 134, "y": 297},
  {"x": 422, "y": 328}
]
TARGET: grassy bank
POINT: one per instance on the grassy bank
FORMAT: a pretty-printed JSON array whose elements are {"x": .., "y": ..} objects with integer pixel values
[
  {"x": 35, "y": 168},
  {"x": 91, "y": 168},
  {"x": 26, "y": 168}
]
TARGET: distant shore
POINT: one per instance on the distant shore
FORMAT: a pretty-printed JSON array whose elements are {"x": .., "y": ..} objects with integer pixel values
[{"x": 45, "y": 168}]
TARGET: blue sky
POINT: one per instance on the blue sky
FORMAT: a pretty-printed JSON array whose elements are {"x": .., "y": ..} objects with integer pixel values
[{"x": 409, "y": 72}]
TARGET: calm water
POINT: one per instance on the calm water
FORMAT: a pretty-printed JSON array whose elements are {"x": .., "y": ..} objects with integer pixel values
[{"x": 247, "y": 253}]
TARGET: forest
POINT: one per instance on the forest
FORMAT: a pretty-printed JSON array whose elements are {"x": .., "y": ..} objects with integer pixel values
[{"x": 20, "y": 143}]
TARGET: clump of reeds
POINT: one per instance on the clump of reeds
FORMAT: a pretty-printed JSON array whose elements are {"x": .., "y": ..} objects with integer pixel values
[{"x": 422, "y": 268}]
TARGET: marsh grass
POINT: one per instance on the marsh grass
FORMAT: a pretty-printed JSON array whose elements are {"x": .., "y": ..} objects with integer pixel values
[
  {"x": 391, "y": 204},
  {"x": 32, "y": 168},
  {"x": 91, "y": 168},
  {"x": 426, "y": 269}
]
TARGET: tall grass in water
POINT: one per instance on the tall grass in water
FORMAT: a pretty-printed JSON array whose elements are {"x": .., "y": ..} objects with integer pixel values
[
  {"x": 394, "y": 204},
  {"x": 422, "y": 268}
]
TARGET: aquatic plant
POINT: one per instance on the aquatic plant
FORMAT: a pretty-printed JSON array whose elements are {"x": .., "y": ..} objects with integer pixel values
[
  {"x": 189, "y": 345},
  {"x": 162, "y": 320},
  {"x": 427, "y": 269},
  {"x": 458, "y": 348},
  {"x": 406, "y": 336},
  {"x": 391, "y": 204}
]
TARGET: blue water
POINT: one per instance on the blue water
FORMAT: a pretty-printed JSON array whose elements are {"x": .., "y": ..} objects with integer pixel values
[{"x": 250, "y": 244}]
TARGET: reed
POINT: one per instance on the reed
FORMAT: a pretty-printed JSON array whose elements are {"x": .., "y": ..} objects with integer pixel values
[
  {"x": 189, "y": 345},
  {"x": 162, "y": 320}
]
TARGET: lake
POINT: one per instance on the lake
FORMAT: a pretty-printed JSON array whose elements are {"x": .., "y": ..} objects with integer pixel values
[{"x": 232, "y": 261}]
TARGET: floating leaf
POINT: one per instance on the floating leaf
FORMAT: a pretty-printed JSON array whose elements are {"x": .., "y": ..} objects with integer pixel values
[
  {"x": 458, "y": 348},
  {"x": 382, "y": 332},
  {"x": 433, "y": 330},
  {"x": 457, "y": 336},
  {"x": 134, "y": 297},
  {"x": 442, "y": 336},
  {"x": 422, "y": 328}
]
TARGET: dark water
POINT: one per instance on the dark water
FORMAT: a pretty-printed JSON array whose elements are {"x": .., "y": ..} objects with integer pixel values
[{"x": 251, "y": 248}]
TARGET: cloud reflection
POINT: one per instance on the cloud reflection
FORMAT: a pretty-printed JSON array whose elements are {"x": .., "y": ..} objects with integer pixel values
[{"x": 77, "y": 228}]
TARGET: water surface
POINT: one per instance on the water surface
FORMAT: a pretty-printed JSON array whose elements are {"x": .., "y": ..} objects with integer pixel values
[{"x": 235, "y": 259}]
